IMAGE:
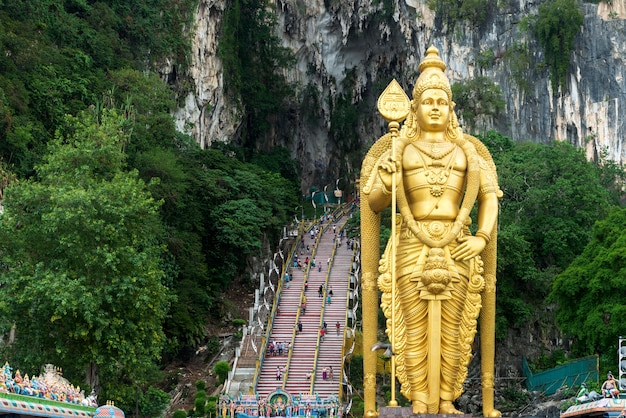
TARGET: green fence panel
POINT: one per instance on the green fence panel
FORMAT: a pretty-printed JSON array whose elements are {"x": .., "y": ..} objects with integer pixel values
[{"x": 571, "y": 374}]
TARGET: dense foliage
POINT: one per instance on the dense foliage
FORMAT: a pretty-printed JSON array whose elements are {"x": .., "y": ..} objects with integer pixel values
[
  {"x": 590, "y": 292},
  {"x": 57, "y": 54},
  {"x": 81, "y": 246},
  {"x": 552, "y": 198},
  {"x": 205, "y": 210}
]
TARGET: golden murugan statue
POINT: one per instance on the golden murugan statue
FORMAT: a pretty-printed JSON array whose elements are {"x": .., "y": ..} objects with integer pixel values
[{"x": 434, "y": 274}]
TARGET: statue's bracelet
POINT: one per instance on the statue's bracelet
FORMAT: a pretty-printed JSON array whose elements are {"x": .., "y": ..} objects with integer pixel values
[{"x": 483, "y": 235}]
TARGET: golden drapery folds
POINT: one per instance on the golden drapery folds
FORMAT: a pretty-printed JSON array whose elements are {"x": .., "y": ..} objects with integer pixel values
[{"x": 435, "y": 275}]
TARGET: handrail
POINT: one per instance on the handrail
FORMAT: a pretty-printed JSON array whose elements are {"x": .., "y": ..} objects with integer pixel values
[
  {"x": 343, "y": 344},
  {"x": 354, "y": 308},
  {"x": 266, "y": 338},
  {"x": 290, "y": 351}
]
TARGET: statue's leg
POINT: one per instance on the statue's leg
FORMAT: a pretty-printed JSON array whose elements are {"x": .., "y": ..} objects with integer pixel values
[
  {"x": 415, "y": 315},
  {"x": 451, "y": 374}
]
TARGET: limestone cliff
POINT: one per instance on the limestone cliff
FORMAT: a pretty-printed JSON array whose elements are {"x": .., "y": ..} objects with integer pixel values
[{"x": 356, "y": 47}]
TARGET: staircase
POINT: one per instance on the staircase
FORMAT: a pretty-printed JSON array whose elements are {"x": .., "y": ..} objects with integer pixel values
[
  {"x": 330, "y": 350},
  {"x": 304, "y": 357}
]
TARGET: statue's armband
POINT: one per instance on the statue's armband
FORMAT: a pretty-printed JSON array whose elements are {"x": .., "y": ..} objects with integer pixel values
[{"x": 488, "y": 180}]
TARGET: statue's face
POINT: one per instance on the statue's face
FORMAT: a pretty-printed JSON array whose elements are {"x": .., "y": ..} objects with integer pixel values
[{"x": 433, "y": 110}]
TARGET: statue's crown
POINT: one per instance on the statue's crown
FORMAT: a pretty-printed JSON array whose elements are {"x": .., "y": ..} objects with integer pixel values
[{"x": 432, "y": 74}]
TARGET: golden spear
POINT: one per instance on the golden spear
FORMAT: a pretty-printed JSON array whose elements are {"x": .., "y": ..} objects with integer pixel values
[{"x": 394, "y": 106}]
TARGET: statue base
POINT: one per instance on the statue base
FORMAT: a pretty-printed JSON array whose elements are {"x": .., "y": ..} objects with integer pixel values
[{"x": 405, "y": 412}]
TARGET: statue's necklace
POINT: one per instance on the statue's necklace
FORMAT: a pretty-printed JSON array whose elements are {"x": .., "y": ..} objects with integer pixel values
[
  {"x": 436, "y": 150},
  {"x": 436, "y": 174}
]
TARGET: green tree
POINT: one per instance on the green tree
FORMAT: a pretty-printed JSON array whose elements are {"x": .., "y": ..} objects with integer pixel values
[
  {"x": 153, "y": 402},
  {"x": 80, "y": 247},
  {"x": 554, "y": 194},
  {"x": 552, "y": 198},
  {"x": 199, "y": 403},
  {"x": 185, "y": 264},
  {"x": 590, "y": 292},
  {"x": 149, "y": 101},
  {"x": 221, "y": 369}
]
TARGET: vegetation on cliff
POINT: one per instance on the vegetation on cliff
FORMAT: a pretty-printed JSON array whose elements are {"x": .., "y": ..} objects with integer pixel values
[
  {"x": 253, "y": 62},
  {"x": 555, "y": 27}
]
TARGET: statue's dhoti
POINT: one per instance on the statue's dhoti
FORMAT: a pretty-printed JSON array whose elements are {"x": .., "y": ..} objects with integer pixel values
[{"x": 437, "y": 302}]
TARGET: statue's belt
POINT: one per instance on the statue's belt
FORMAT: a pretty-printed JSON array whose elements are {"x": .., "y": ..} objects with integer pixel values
[{"x": 436, "y": 230}]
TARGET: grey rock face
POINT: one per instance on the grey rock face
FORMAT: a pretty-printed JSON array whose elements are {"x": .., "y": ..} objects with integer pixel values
[{"x": 354, "y": 48}]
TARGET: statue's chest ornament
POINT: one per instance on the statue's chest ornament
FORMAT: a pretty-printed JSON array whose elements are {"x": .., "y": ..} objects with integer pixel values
[{"x": 436, "y": 173}]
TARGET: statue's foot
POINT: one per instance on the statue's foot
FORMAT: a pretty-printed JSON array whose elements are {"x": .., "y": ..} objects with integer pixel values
[
  {"x": 491, "y": 413},
  {"x": 371, "y": 414},
  {"x": 419, "y": 407},
  {"x": 446, "y": 407}
]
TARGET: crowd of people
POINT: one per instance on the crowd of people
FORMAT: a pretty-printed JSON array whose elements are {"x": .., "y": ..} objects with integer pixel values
[
  {"x": 50, "y": 385},
  {"x": 278, "y": 348}
]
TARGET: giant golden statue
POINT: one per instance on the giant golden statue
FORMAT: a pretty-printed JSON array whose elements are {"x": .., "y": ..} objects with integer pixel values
[{"x": 435, "y": 275}]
